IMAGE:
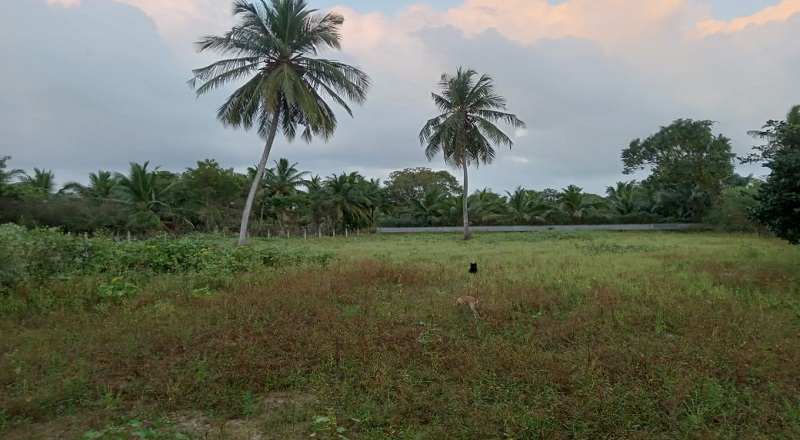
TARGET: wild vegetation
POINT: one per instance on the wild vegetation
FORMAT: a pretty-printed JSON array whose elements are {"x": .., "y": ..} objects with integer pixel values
[
  {"x": 635, "y": 335},
  {"x": 127, "y": 311}
]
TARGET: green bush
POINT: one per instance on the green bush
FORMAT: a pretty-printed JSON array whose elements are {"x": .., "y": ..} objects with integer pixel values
[
  {"x": 38, "y": 254},
  {"x": 43, "y": 253}
]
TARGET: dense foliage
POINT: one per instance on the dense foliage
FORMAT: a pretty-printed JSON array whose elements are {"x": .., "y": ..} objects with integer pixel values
[{"x": 42, "y": 254}]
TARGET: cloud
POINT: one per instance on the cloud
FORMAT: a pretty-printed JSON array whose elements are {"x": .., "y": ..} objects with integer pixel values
[
  {"x": 64, "y": 3},
  {"x": 780, "y": 12},
  {"x": 586, "y": 76}
]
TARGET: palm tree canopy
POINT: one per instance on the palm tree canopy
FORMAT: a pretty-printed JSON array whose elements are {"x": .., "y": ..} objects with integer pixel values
[
  {"x": 284, "y": 178},
  {"x": 465, "y": 132},
  {"x": 272, "y": 47}
]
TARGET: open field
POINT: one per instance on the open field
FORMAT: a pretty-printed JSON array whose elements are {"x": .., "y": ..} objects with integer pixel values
[{"x": 649, "y": 335}]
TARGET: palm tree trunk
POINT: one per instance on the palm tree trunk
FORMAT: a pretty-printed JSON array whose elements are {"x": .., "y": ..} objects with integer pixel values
[
  {"x": 465, "y": 210},
  {"x": 273, "y": 129}
]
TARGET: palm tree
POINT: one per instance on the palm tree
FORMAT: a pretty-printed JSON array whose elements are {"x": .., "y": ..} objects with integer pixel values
[
  {"x": 623, "y": 197},
  {"x": 576, "y": 205},
  {"x": 273, "y": 47},
  {"x": 101, "y": 185},
  {"x": 349, "y": 197},
  {"x": 284, "y": 178},
  {"x": 430, "y": 209},
  {"x": 525, "y": 206},
  {"x": 141, "y": 192},
  {"x": 464, "y": 132},
  {"x": 41, "y": 183}
]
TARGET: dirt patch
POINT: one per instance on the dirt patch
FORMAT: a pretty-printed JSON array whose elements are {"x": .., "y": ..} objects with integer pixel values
[{"x": 201, "y": 426}]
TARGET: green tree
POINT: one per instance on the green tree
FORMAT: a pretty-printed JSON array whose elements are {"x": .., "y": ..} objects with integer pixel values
[
  {"x": 7, "y": 176},
  {"x": 576, "y": 207},
  {"x": 411, "y": 184},
  {"x": 218, "y": 189},
  {"x": 349, "y": 199},
  {"x": 778, "y": 134},
  {"x": 778, "y": 200},
  {"x": 623, "y": 198},
  {"x": 145, "y": 197},
  {"x": 525, "y": 206},
  {"x": 273, "y": 46},
  {"x": 284, "y": 179},
  {"x": 40, "y": 184},
  {"x": 430, "y": 209},
  {"x": 100, "y": 187},
  {"x": 685, "y": 158},
  {"x": 464, "y": 132}
]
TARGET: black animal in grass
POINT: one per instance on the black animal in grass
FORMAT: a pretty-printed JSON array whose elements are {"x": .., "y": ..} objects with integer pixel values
[{"x": 473, "y": 268}]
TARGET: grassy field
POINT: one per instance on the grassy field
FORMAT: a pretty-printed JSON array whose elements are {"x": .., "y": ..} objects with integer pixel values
[{"x": 580, "y": 335}]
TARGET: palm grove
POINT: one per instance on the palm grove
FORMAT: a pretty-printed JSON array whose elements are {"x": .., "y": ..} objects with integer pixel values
[{"x": 273, "y": 51}]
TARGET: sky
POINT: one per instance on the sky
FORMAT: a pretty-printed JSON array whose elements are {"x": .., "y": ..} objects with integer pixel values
[{"x": 92, "y": 85}]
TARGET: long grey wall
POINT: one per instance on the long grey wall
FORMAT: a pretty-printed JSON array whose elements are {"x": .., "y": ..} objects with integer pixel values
[{"x": 648, "y": 227}]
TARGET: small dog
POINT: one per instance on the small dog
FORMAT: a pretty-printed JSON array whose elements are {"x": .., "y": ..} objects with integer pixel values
[
  {"x": 472, "y": 301},
  {"x": 473, "y": 268}
]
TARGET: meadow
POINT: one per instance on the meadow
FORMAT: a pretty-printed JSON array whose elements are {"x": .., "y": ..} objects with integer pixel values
[{"x": 649, "y": 335}]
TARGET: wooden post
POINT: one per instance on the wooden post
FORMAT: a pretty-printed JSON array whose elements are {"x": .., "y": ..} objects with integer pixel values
[{"x": 305, "y": 233}]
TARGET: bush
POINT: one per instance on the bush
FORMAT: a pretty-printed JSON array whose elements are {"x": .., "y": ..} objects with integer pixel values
[
  {"x": 38, "y": 254},
  {"x": 43, "y": 253}
]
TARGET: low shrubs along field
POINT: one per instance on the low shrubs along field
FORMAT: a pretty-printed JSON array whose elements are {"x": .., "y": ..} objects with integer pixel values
[{"x": 579, "y": 335}]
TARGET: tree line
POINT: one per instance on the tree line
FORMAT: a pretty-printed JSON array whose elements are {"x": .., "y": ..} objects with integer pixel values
[{"x": 273, "y": 48}]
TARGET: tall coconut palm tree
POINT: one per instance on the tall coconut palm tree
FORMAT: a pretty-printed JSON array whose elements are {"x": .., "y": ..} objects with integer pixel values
[
  {"x": 464, "y": 132},
  {"x": 273, "y": 48}
]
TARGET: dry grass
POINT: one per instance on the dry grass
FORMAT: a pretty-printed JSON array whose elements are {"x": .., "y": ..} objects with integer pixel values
[{"x": 596, "y": 335}]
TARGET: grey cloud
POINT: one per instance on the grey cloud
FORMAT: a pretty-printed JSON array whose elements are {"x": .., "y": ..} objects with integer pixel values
[{"x": 99, "y": 88}]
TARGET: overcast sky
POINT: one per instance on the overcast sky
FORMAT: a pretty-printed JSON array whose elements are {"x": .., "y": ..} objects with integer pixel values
[{"x": 91, "y": 85}]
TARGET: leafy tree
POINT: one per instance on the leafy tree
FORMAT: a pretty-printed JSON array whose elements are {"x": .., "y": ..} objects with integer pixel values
[
  {"x": 732, "y": 215},
  {"x": 218, "y": 189},
  {"x": 464, "y": 132},
  {"x": 7, "y": 176},
  {"x": 686, "y": 159},
  {"x": 411, "y": 184},
  {"x": 778, "y": 134},
  {"x": 778, "y": 201},
  {"x": 273, "y": 45}
]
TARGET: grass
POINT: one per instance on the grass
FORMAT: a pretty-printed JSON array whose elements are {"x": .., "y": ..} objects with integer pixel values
[{"x": 580, "y": 335}]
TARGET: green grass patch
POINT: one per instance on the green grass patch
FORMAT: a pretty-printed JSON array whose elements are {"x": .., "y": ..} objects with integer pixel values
[{"x": 579, "y": 335}]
